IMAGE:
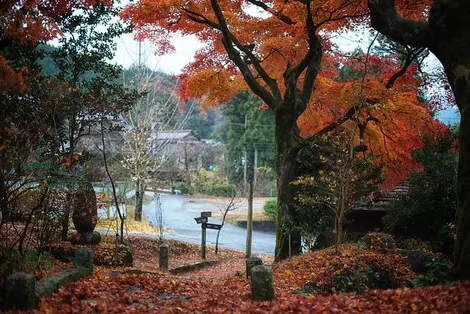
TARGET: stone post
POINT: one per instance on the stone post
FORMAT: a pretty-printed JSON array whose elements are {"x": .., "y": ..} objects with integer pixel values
[
  {"x": 84, "y": 258},
  {"x": 252, "y": 262},
  {"x": 163, "y": 257},
  {"x": 20, "y": 292},
  {"x": 262, "y": 285}
]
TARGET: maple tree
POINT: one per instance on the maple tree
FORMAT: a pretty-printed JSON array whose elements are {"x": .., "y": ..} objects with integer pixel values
[
  {"x": 276, "y": 53},
  {"x": 389, "y": 118},
  {"x": 277, "y": 57}
]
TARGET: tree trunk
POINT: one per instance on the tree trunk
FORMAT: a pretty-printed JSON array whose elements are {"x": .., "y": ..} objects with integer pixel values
[
  {"x": 459, "y": 78},
  {"x": 288, "y": 147},
  {"x": 65, "y": 221},
  {"x": 139, "y": 199}
]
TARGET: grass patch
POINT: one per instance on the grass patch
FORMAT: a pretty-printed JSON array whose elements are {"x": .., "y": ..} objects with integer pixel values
[{"x": 130, "y": 224}]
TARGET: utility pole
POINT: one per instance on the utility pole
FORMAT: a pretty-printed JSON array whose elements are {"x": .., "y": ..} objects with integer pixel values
[
  {"x": 140, "y": 55},
  {"x": 255, "y": 166},
  {"x": 249, "y": 220}
]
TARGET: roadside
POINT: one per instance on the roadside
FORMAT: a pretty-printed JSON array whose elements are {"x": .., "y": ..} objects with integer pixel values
[{"x": 217, "y": 206}]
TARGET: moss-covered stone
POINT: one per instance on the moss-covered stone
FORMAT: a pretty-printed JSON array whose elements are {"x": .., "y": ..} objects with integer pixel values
[
  {"x": 20, "y": 292},
  {"x": 252, "y": 262},
  {"x": 262, "y": 284},
  {"x": 84, "y": 258}
]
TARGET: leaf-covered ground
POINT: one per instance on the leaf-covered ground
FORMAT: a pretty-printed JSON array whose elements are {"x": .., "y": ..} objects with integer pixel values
[
  {"x": 223, "y": 289},
  {"x": 322, "y": 266},
  {"x": 168, "y": 294}
]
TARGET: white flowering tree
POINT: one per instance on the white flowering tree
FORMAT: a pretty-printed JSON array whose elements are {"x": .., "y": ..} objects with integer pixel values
[{"x": 155, "y": 111}]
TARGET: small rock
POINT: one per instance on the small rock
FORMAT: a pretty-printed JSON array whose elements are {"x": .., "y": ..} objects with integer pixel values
[
  {"x": 252, "y": 262},
  {"x": 84, "y": 258},
  {"x": 20, "y": 292},
  {"x": 262, "y": 285}
]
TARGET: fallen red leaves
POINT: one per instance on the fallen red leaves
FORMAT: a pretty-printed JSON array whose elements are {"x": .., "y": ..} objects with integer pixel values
[
  {"x": 321, "y": 267},
  {"x": 218, "y": 290},
  {"x": 168, "y": 294}
]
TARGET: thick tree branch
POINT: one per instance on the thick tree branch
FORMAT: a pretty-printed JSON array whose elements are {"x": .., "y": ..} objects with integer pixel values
[
  {"x": 310, "y": 63},
  {"x": 229, "y": 40},
  {"x": 278, "y": 14},
  {"x": 386, "y": 19},
  {"x": 312, "y": 59}
]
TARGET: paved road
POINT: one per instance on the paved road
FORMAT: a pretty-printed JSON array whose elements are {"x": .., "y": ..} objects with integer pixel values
[{"x": 184, "y": 227}]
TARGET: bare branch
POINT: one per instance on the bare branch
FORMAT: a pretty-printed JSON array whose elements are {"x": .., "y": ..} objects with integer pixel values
[{"x": 412, "y": 54}]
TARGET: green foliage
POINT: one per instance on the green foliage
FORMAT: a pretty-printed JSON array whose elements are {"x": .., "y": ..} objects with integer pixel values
[
  {"x": 427, "y": 211},
  {"x": 210, "y": 183},
  {"x": 29, "y": 261},
  {"x": 87, "y": 88},
  {"x": 246, "y": 127},
  {"x": 437, "y": 271},
  {"x": 183, "y": 187},
  {"x": 379, "y": 242},
  {"x": 203, "y": 122},
  {"x": 270, "y": 208},
  {"x": 324, "y": 168}
]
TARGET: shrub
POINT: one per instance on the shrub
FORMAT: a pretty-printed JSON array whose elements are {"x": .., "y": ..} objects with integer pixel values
[
  {"x": 428, "y": 207},
  {"x": 209, "y": 183},
  {"x": 354, "y": 269},
  {"x": 363, "y": 275},
  {"x": 221, "y": 189},
  {"x": 183, "y": 187},
  {"x": 380, "y": 242},
  {"x": 104, "y": 254},
  {"x": 270, "y": 208},
  {"x": 437, "y": 271},
  {"x": 324, "y": 239}
]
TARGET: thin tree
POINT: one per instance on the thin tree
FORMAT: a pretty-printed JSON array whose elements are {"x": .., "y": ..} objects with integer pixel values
[
  {"x": 122, "y": 217},
  {"x": 233, "y": 203},
  {"x": 154, "y": 112}
]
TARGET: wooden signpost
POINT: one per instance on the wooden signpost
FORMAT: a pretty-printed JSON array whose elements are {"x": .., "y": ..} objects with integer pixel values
[{"x": 205, "y": 225}]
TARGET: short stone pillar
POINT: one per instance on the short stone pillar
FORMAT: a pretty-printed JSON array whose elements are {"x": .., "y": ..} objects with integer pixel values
[
  {"x": 84, "y": 258},
  {"x": 20, "y": 292},
  {"x": 163, "y": 257},
  {"x": 252, "y": 262},
  {"x": 85, "y": 215},
  {"x": 262, "y": 285}
]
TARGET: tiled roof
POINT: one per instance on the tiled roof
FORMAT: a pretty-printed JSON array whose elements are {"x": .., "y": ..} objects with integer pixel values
[{"x": 174, "y": 135}]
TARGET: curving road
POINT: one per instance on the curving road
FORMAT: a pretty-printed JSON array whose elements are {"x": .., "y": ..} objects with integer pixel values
[{"x": 183, "y": 226}]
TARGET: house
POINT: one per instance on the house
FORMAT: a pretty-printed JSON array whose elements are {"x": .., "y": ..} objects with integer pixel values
[
  {"x": 182, "y": 150},
  {"x": 367, "y": 215}
]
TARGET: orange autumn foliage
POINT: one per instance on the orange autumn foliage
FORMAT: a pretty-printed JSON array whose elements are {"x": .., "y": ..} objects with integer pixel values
[
  {"x": 9, "y": 78},
  {"x": 398, "y": 121},
  {"x": 30, "y": 21},
  {"x": 276, "y": 28},
  {"x": 277, "y": 35}
]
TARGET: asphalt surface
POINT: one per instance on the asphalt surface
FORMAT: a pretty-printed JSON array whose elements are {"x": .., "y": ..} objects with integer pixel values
[{"x": 181, "y": 225}]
